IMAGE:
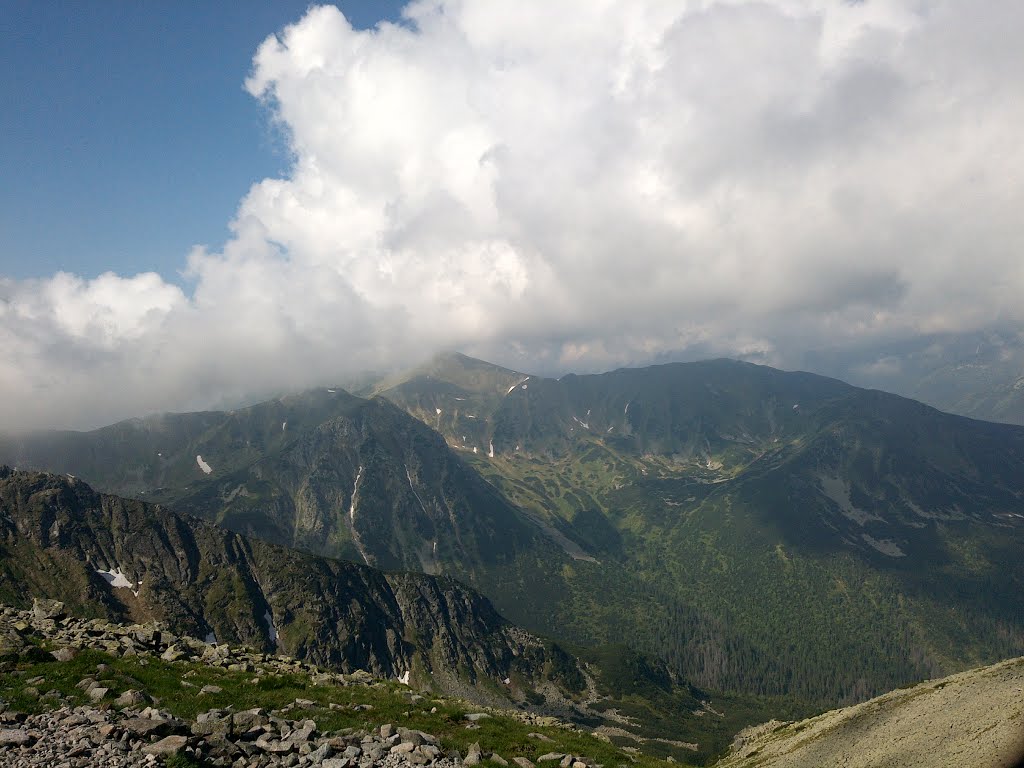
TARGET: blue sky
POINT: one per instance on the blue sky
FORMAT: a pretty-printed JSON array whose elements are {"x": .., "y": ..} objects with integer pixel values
[{"x": 127, "y": 136}]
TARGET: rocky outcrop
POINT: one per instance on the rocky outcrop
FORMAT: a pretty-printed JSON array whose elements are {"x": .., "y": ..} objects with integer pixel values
[
  {"x": 120, "y": 559},
  {"x": 130, "y": 729},
  {"x": 975, "y": 718}
]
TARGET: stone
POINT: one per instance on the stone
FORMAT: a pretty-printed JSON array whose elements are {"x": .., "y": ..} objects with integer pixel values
[
  {"x": 550, "y": 757},
  {"x": 539, "y": 737},
  {"x": 404, "y": 748},
  {"x": 473, "y": 755},
  {"x": 64, "y": 654},
  {"x": 167, "y": 746},
  {"x": 336, "y": 762},
  {"x": 211, "y": 689},
  {"x": 130, "y": 698},
  {"x": 144, "y": 727},
  {"x": 476, "y": 716},
  {"x": 16, "y": 737},
  {"x": 98, "y": 692},
  {"x": 47, "y": 609},
  {"x": 496, "y": 758},
  {"x": 522, "y": 762}
]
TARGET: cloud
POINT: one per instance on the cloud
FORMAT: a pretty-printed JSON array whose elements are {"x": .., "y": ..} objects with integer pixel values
[{"x": 599, "y": 184}]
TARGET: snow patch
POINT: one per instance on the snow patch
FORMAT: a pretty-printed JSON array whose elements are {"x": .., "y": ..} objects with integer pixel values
[
  {"x": 438, "y": 410},
  {"x": 271, "y": 628},
  {"x": 490, "y": 450},
  {"x": 521, "y": 383},
  {"x": 404, "y": 679},
  {"x": 352, "y": 516},
  {"x": 115, "y": 577},
  {"x": 507, "y": 681},
  {"x": 332, "y": 391},
  {"x": 475, "y": 449},
  {"x": 207, "y": 469},
  {"x": 284, "y": 425}
]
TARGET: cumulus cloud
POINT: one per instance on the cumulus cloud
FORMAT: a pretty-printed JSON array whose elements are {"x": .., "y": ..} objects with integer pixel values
[{"x": 576, "y": 186}]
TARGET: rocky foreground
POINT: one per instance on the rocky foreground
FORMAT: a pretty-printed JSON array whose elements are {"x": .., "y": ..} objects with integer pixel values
[
  {"x": 129, "y": 728},
  {"x": 975, "y": 719}
]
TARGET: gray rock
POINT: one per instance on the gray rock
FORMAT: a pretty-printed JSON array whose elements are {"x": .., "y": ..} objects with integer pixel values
[
  {"x": 47, "y": 609},
  {"x": 550, "y": 757},
  {"x": 522, "y": 762},
  {"x": 64, "y": 654},
  {"x": 475, "y": 716},
  {"x": 16, "y": 737},
  {"x": 167, "y": 746},
  {"x": 131, "y": 698}
]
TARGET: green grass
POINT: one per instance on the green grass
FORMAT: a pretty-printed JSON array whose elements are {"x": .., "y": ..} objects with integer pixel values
[{"x": 174, "y": 687}]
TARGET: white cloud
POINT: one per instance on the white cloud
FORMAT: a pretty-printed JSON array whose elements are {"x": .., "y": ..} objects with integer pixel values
[{"x": 601, "y": 183}]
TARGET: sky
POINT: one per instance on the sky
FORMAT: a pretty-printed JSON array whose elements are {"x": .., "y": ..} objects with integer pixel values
[{"x": 206, "y": 203}]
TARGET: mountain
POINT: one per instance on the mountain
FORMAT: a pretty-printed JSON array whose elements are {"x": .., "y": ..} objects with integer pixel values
[
  {"x": 120, "y": 559},
  {"x": 769, "y": 532},
  {"x": 763, "y": 532},
  {"x": 974, "y": 718},
  {"x": 980, "y": 375},
  {"x": 324, "y": 471}
]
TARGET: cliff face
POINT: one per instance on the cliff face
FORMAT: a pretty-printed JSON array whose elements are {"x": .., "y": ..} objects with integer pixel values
[
  {"x": 975, "y": 718},
  {"x": 121, "y": 559}
]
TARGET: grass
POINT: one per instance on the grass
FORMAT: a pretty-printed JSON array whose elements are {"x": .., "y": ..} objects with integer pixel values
[{"x": 174, "y": 687}]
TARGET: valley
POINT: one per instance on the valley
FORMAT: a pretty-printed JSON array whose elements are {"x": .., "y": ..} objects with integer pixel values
[{"x": 779, "y": 543}]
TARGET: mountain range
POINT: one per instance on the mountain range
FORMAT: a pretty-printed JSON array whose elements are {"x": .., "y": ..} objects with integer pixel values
[{"x": 762, "y": 532}]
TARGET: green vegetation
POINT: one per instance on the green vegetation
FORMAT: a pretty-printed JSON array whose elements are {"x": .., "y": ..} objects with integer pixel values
[{"x": 175, "y": 686}]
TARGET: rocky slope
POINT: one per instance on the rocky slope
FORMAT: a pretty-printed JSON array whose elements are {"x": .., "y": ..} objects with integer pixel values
[
  {"x": 974, "y": 718},
  {"x": 88, "y": 693},
  {"x": 119, "y": 559}
]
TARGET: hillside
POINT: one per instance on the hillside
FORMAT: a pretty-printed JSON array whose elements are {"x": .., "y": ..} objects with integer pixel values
[
  {"x": 975, "y": 718},
  {"x": 765, "y": 533},
  {"x": 114, "y": 558},
  {"x": 755, "y": 526}
]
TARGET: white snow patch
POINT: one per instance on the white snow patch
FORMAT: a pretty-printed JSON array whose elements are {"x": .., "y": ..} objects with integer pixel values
[
  {"x": 610, "y": 428},
  {"x": 210, "y": 639},
  {"x": 159, "y": 454},
  {"x": 475, "y": 449},
  {"x": 352, "y": 516},
  {"x": 207, "y": 469},
  {"x": 507, "y": 681},
  {"x": 284, "y": 425},
  {"x": 523, "y": 383},
  {"x": 404, "y": 679},
  {"x": 460, "y": 399},
  {"x": 523, "y": 387},
  {"x": 332, "y": 391},
  {"x": 438, "y": 411},
  {"x": 796, "y": 407},
  {"x": 490, "y": 450},
  {"x": 470, "y": 415},
  {"x": 115, "y": 578},
  {"x": 625, "y": 410},
  {"x": 271, "y": 628}
]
